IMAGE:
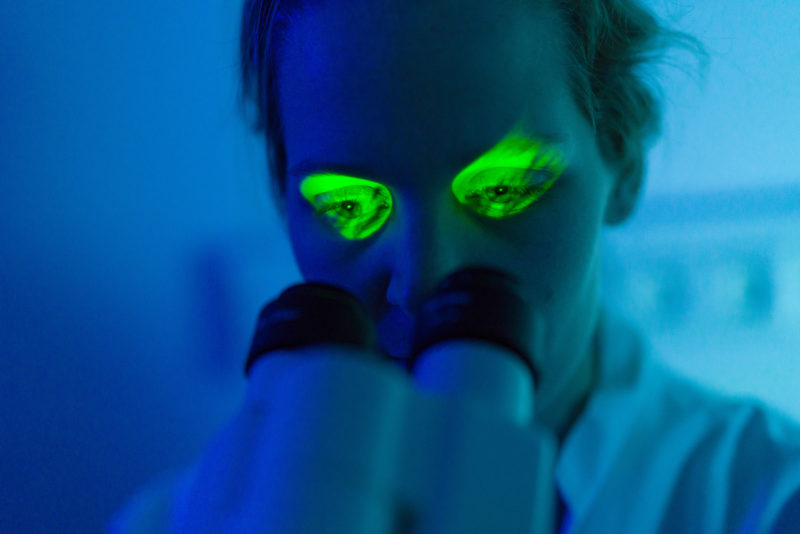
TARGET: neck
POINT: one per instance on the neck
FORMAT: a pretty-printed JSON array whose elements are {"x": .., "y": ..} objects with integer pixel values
[{"x": 572, "y": 400}]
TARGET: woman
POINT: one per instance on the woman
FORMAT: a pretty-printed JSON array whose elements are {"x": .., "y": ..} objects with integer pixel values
[{"x": 408, "y": 140}]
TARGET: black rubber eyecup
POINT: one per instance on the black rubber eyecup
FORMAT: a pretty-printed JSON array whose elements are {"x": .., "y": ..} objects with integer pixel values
[
  {"x": 311, "y": 313},
  {"x": 475, "y": 303}
]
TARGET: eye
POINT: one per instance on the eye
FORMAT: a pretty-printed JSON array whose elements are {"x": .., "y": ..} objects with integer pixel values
[
  {"x": 356, "y": 211},
  {"x": 502, "y": 192}
]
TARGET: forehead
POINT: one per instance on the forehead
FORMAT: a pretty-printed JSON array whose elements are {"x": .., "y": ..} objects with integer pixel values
[{"x": 418, "y": 87}]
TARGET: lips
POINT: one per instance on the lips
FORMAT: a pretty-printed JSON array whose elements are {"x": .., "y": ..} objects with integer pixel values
[{"x": 394, "y": 333}]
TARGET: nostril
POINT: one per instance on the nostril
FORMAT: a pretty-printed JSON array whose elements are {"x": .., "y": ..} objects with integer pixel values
[{"x": 401, "y": 295}]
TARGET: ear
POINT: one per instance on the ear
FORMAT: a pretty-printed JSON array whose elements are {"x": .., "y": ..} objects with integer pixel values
[{"x": 625, "y": 193}]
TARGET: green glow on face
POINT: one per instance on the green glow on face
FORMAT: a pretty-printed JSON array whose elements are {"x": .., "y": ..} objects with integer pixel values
[
  {"x": 356, "y": 207},
  {"x": 509, "y": 177},
  {"x": 502, "y": 182}
]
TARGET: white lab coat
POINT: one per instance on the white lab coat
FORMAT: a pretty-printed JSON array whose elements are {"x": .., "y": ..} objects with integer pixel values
[
  {"x": 655, "y": 452},
  {"x": 652, "y": 453}
]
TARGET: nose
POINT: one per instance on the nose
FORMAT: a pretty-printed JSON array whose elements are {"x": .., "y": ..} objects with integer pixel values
[{"x": 429, "y": 244}]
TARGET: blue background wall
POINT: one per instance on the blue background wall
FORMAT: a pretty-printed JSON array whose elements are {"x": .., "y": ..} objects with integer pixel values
[{"x": 138, "y": 239}]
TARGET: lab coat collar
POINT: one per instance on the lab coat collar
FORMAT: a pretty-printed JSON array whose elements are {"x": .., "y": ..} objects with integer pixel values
[{"x": 594, "y": 445}]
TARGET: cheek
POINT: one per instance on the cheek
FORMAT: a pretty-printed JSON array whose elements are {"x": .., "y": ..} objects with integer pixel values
[
  {"x": 555, "y": 249},
  {"x": 312, "y": 252},
  {"x": 321, "y": 255}
]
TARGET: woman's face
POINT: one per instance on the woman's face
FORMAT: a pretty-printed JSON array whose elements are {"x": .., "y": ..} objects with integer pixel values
[{"x": 411, "y": 96}]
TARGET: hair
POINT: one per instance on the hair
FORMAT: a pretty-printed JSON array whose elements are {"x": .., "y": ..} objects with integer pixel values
[{"x": 608, "y": 43}]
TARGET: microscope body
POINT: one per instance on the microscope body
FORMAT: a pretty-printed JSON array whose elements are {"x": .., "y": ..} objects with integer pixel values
[
  {"x": 356, "y": 446},
  {"x": 353, "y": 444}
]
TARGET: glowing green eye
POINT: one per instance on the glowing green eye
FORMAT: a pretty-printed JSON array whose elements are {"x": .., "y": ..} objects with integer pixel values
[
  {"x": 499, "y": 193},
  {"x": 356, "y": 207},
  {"x": 509, "y": 177}
]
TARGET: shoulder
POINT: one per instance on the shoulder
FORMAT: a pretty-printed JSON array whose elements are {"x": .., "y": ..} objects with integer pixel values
[
  {"x": 743, "y": 467},
  {"x": 749, "y": 423},
  {"x": 152, "y": 508}
]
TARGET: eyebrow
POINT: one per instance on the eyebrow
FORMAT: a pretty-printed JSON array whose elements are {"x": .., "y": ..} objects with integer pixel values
[{"x": 308, "y": 167}]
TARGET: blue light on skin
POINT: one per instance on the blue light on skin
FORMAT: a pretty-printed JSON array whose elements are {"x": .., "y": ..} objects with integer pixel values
[
  {"x": 408, "y": 95},
  {"x": 502, "y": 182}
]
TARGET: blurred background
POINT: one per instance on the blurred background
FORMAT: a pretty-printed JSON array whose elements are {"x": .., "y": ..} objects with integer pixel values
[{"x": 139, "y": 241}]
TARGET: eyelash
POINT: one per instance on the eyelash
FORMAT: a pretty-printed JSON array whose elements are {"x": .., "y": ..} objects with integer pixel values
[
  {"x": 363, "y": 224},
  {"x": 340, "y": 204},
  {"x": 523, "y": 192},
  {"x": 525, "y": 195},
  {"x": 337, "y": 204}
]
